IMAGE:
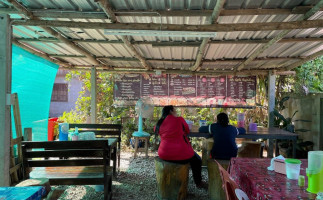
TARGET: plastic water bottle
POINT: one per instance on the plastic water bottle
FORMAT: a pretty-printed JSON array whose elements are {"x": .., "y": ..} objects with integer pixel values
[{"x": 75, "y": 135}]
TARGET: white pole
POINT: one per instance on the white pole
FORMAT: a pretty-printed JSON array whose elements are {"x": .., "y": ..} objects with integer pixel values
[
  {"x": 5, "y": 90},
  {"x": 271, "y": 98},
  {"x": 271, "y": 106},
  {"x": 93, "y": 95}
]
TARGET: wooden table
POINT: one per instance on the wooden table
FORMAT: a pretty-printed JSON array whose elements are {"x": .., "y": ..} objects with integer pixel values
[
  {"x": 263, "y": 133},
  {"x": 27, "y": 193},
  {"x": 257, "y": 182}
]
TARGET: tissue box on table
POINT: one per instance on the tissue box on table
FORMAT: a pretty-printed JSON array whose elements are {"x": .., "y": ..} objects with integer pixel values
[{"x": 279, "y": 166}]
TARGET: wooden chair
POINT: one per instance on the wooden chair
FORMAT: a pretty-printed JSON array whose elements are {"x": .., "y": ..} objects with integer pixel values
[{"x": 231, "y": 188}]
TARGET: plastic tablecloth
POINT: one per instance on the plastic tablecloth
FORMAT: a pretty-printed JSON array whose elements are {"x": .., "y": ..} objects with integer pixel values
[
  {"x": 22, "y": 193},
  {"x": 252, "y": 176}
]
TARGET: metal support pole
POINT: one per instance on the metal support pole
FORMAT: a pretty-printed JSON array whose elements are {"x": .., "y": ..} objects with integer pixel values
[
  {"x": 271, "y": 98},
  {"x": 5, "y": 90},
  {"x": 271, "y": 106},
  {"x": 93, "y": 95}
]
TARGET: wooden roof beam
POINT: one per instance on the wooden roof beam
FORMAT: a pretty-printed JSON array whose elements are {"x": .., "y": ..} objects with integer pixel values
[
  {"x": 108, "y": 10},
  {"x": 280, "y": 36},
  {"x": 53, "y": 32},
  {"x": 153, "y": 13},
  {"x": 177, "y": 71},
  {"x": 174, "y": 43},
  {"x": 267, "y": 26},
  {"x": 131, "y": 59},
  {"x": 200, "y": 52}
]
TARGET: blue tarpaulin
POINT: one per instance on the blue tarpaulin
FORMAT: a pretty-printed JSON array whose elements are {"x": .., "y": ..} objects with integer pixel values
[{"x": 33, "y": 79}]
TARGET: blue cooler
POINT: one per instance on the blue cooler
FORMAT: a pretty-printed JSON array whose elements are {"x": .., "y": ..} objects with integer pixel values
[{"x": 63, "y": 131}]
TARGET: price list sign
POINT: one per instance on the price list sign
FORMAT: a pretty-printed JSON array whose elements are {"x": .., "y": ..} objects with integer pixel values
[
  {"x": 211, "y": 87},
  {"x": 182, "y": 85},
  {"x": 241, "y": 90},
  {"x": 127, "y": 87},
  {"x": 186, "y": 90},
  {"x": 154, "y": 85}
]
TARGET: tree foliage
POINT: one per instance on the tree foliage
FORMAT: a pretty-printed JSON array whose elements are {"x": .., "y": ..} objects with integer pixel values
[{"x": 309, "y": 76}]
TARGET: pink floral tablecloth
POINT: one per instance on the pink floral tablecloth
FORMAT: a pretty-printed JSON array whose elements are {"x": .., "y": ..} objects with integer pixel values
[{"x": 252, "y": 176}]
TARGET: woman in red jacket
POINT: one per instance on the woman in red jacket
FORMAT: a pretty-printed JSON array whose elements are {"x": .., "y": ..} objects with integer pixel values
[{"x": 175, "y": 146}]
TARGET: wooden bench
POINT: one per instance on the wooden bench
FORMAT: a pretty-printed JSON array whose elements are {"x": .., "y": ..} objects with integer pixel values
[
  {"x": 89, "y": 167},
  {"x": 103, "y": 130}
]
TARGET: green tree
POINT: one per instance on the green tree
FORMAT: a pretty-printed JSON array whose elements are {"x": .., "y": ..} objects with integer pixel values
[{"x": 309, "y": 76}]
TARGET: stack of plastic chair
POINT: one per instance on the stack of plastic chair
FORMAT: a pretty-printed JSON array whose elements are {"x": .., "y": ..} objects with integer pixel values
[{"x": 231, "y": 188}]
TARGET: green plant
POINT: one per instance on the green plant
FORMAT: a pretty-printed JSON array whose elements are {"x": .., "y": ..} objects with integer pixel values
[{"x": 71, "y": 117}]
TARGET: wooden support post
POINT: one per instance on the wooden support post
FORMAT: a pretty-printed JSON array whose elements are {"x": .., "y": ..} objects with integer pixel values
[
  {"x": 271, "y": 106},
  {"x": 16, "y": 114},
  {"x": 93, "y": 95},
  {"x": 5, "y": 89}
]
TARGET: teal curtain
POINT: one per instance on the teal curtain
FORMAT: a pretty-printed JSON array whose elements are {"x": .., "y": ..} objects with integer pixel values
[{"x": 33, "y": 79}]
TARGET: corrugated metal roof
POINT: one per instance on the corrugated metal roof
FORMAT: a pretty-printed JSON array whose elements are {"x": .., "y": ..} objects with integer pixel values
[{"x": 156, "y": 55}]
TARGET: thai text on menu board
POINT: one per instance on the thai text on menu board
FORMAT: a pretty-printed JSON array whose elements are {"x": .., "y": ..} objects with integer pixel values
[{"x": 185, "y": 90}]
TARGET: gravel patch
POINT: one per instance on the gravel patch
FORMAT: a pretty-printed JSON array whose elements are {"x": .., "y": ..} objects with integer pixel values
[{"x": 136, "y": 180}]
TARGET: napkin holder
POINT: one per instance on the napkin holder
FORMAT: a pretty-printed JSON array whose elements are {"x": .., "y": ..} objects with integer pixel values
[{"x": 279, "y": 166}]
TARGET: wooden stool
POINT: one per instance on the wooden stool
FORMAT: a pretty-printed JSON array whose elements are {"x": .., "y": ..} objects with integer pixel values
[
  {"x": 172, "y": 180},
  {"x": 207, "y": 145},
  {"x": 141, "y": 149},
  {"x": 215, "y": 189},
  {"x": 250, "y": 149}
]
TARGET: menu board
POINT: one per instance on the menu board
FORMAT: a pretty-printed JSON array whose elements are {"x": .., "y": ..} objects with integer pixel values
[
  {"x": 127, "y": 87},
  {"x": 182, "y": 86},
  {"x": 185, "y": 90},
  {"x": 241, "y": 90},
  {"x": 211, "y": 87},
  {"x": 154, "y": 85}
]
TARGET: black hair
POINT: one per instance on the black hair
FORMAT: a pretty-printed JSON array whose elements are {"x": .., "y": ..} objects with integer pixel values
[
  {"x": 223, "y": 119},
  {"x": 165, "y": 112}
]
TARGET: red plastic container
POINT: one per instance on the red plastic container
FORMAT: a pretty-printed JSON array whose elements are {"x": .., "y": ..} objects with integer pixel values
[{"x": 51, "y": 127}]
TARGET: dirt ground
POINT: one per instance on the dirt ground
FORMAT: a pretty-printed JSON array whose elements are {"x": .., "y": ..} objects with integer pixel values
[{"x": 136, "y": 180}]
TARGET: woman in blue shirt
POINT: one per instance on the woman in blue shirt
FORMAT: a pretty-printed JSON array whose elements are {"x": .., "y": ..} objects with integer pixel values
[{"x": 224, "y": 136}]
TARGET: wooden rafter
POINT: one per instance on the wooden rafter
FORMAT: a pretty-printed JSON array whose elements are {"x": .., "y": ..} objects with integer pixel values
[
  {"x": 177, "y": 71},
  {"x": 304, "y": 60},
  {"x": 174, "y": 43},
  {"x": 42, "y": 55},
  {"x": 131, "y": 59},
  {"x": 108, "y": 10},
  {"x": 53, "y": 32},
  {"x": 153, "y": 13},
  {"x": 280, "y": 36},
  {"x": 200, "y": 52},
  {"x": 268, "y": 26}
]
